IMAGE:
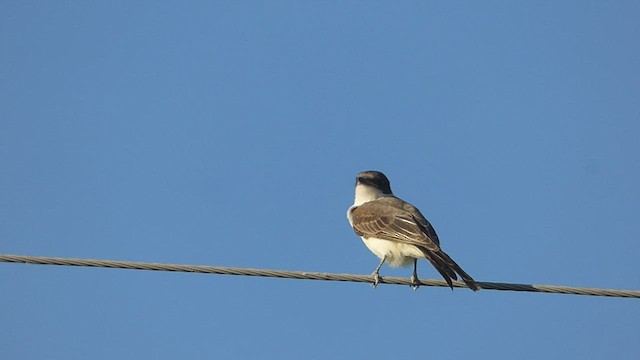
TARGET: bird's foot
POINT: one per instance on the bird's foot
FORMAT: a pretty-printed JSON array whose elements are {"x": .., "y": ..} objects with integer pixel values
[
  {"x": 415, "y": 282},
  {"x": 376, "y": 279},
  {"x": 376, "y": 273}
]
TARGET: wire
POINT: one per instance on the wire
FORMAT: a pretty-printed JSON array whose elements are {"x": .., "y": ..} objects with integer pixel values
[{"x": 202, "y": 269}]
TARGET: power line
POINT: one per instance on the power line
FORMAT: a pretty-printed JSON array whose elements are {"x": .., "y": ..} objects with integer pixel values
[{"x": 202, "y": 269}]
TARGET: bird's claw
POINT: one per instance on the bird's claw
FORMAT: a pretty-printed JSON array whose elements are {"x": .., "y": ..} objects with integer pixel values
[
  {"x": 415, "y": 282},
  {"x": 376, "y": 279},
  {"x": 376, "y": 273}
]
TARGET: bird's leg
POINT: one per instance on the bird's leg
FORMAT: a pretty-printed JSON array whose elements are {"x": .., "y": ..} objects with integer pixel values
[
  {"x": 376, "y": 272},
  {"x": 415, "y": 282}
]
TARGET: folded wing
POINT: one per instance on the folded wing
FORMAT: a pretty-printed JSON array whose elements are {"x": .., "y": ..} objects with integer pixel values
[{"x": 390, "y": 219}]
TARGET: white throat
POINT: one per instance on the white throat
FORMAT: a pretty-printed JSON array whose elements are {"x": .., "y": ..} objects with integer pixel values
[{"x": 365, "y": 193}]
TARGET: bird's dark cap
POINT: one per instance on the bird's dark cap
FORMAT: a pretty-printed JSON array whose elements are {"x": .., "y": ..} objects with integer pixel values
[{"x": 375, "y": 179}]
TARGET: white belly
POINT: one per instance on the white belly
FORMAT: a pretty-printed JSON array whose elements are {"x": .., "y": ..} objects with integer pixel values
[{"x": 398, "y": 254}]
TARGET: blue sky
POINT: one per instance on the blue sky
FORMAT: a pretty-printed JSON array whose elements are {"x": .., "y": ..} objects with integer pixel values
[{"x": 229, "y": 133}]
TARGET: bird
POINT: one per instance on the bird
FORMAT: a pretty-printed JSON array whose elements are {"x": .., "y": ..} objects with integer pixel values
[{"x": 397, "y": 232}]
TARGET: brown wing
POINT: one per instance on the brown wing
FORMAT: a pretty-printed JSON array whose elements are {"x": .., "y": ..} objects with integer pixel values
[
  {"x": 393, "y": 219},
  {"x": 422, "y": 221}
]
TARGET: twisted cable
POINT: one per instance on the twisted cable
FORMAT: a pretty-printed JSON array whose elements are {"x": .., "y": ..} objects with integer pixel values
[{"x": 303, "y": 275}]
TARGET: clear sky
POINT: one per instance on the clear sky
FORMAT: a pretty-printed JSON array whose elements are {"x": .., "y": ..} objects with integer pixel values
[{"x": 229, "y": 133}]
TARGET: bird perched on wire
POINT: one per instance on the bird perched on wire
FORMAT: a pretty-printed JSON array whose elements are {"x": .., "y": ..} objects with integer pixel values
[{"x": 397, "y": 232}]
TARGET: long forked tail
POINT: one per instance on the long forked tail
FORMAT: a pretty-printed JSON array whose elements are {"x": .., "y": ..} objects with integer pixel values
[{"x": 448, "y": 268}]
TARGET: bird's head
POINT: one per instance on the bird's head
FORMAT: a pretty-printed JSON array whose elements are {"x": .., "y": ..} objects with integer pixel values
[{"x": 371, "y": 185}]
